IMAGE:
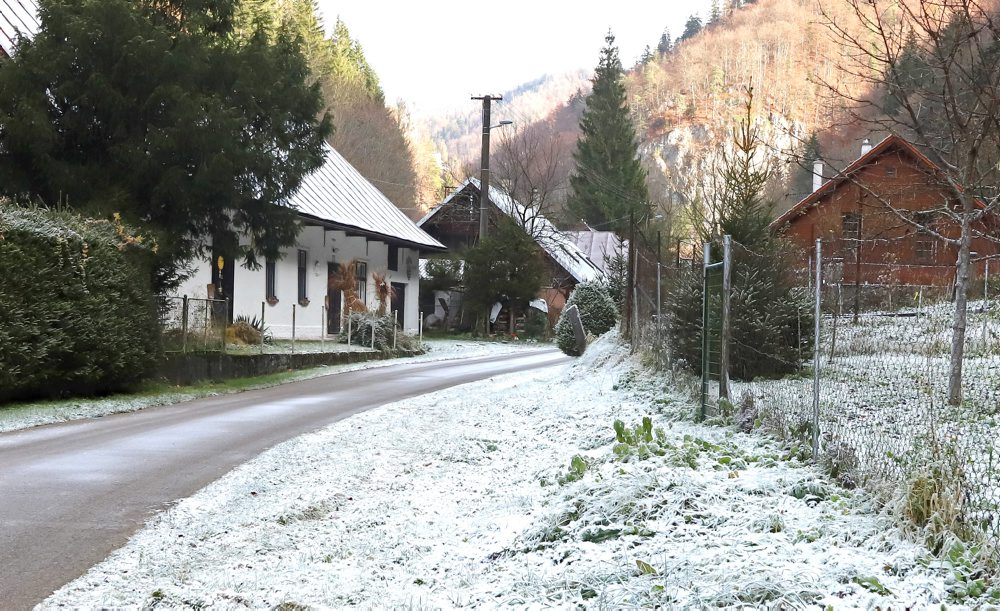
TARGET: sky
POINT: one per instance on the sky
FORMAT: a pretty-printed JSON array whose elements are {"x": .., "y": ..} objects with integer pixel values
[{"x": 435, "y": 55}]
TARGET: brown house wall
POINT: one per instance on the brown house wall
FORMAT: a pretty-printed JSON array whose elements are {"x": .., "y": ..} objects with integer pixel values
[{"x": 888, "y": 246}]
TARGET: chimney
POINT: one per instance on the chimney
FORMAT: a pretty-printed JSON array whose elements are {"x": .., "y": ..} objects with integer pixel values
[
  {"x": 866, "y": 145},
  {"x": 817, "y": 175}
]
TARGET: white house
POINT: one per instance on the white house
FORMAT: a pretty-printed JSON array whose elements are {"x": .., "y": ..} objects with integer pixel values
[{"x": 344, "y": 217}]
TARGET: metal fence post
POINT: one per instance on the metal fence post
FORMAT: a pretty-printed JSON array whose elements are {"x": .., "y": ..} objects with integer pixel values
[
  {"x": 727, "y": 256},
  {"x": 373, "y": 331},
  {"x": 659, "y": 318},
  {"x": 395, "y": 315},
  {"x": 420, "y": 326},
  {"x": 293, "y": 328},
  {"x": 204, "y": 338},
  {"x": 706, "y": 255},
  {"x": 184, "y": 324},
  {"x": 322, "y": 328},
  {"x": 225, "y": 322},
  {"x": 262, "y": 327},
  {"x": 350, "y": 319},
  {"x": 816, "y": 349}
]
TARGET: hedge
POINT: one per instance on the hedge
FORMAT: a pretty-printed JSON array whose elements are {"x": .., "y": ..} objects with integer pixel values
[{"x": 76, "y": 309}]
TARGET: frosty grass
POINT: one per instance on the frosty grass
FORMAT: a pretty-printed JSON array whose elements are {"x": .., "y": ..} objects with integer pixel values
[{"x": 512, "y": 491}]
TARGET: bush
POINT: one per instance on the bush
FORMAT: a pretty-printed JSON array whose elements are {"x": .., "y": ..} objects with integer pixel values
[
  {"x": 597, "y": 309},
  {"x": 597, "y": 312},
  {"x": 771, "y": 318},
  {"x": 363, "y": 324},
  {"x": 78, "y": 314}
]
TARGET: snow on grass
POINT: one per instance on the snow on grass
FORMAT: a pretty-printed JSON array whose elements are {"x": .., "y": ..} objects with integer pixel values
[
  {"x": 515, "y": 491},
  {"x": 26, "y": 415}
]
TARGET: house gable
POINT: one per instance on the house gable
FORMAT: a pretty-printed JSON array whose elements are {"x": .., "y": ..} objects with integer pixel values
[{"x": 455, "y": 221}]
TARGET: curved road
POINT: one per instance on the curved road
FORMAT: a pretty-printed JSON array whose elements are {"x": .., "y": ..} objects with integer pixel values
[{"x": 71, "y": 493}]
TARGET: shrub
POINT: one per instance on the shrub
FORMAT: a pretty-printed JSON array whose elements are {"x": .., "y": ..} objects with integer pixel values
[
  {"x": 597, "y": 312},
  {"x": 362, "y": 325},
  {"x": 78, "y": 314},
  {"x": 771, "y": 318},
  {"x": 597, "y": 309}
]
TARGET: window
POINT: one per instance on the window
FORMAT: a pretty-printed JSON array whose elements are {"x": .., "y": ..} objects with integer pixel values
[
  {"x": 393, "y": 258},
  {"x": 924, "y": 248},
  {"x": 303, "y": 259},
  {"x": 269, "y": 290},
  {"x": 362, "y": 279},
  {"x": 890, "y": 170},
  {"x": 851, "y": 226}
]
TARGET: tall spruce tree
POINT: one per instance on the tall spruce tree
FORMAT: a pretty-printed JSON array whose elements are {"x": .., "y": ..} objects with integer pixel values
[
  {"x": 692, "y": 27},
  {"x": 608, "y": 186},
  {"x": 666, "y": 43},
  {"x": 163, "y": 112}
]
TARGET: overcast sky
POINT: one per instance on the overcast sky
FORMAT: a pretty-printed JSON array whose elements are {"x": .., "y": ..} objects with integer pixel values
[{"x": 435, "y": 54}]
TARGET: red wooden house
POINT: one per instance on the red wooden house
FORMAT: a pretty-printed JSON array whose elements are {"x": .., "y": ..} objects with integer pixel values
[{"x": 878, "y": 219}]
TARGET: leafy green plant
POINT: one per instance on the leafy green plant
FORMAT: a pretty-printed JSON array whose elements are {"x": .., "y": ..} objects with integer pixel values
[
  {"x": 640, "y": 441},
  {"x": 78, "y": 316},
  {"x": 578, "y": 467}
]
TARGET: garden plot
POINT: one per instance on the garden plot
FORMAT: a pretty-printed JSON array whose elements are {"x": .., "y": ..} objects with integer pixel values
[
  {"x": 884, "y": 417},
  {"x": 523, "y": 491}
]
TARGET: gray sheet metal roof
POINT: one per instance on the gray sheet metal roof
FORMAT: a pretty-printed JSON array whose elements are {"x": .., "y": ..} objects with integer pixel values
[
  {"x": 338, "y": 195},
  {"x": 597, "y": 245},
  {"x": 556, "y": 243},
  {"x": 17, "y": 16}
]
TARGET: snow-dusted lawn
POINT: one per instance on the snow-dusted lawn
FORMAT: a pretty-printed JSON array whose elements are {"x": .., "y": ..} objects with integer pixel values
[
  {"x": 26, "y": 415},
  {"x": 468, "y": 497}
]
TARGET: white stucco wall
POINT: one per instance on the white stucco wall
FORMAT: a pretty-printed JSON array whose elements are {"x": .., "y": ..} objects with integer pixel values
[{"x": 323, "y": 247}]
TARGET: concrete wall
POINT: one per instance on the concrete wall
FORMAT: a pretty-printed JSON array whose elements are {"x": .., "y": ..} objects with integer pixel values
[{"x": 323, "y": 247}]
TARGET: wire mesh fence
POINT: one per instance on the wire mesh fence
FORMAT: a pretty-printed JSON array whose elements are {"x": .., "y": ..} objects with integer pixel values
[
  {"x": 189, "y": 324},
  {"x": 868, "y": 395}
]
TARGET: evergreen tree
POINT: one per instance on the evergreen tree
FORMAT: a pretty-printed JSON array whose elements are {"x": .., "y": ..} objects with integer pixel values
[
  {"x": 647, "y": 56},
  {"x": 608, "y": 185},
  {"x": 692, "y": 27},
  {"x": 804, "y": 173},
  {"x": 162, "y": 111},
  {"x": 715, "y": 13},
  {"x": 504, "y": 267},
  {"x": 666, "y": 43}
]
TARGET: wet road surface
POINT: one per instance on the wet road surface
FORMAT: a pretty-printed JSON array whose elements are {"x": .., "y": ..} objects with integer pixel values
[{"x": 73, "y": 492}]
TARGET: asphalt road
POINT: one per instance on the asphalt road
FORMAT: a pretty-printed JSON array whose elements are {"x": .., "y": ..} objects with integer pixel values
[{"x": 72, "y": 493}]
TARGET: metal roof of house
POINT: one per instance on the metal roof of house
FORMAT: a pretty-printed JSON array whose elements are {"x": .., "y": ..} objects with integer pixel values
[
  {"x": 338, "y": 195},
  {"x": 17, "y": 17},
  {"x": 554, "y": 242},
  {"x": 597, "y": 245}
]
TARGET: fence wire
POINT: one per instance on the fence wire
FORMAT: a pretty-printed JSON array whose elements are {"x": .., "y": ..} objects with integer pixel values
[
  {"x": 190, "y": 324},
  {"x": 885, "y": 421}
]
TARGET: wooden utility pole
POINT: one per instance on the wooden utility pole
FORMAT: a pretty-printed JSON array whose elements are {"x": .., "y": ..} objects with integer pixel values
[{"x": 484, "y": 177}]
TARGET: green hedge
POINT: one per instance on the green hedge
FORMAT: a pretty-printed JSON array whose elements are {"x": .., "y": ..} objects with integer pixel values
[{"x": 76, "y": 310}]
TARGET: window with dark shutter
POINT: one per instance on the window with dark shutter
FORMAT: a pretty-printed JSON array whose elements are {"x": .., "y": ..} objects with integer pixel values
[
  {"x": 362, "y": 280},
  {"x": 270, "y": 293},
  {"x": 303, "y": 259},
  {"x": 393, "y": 258}
]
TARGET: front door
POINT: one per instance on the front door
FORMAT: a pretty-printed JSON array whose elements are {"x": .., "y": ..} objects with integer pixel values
[
  {"x": 334, "y": 301},
  {"x": 398, "y": 303},
  {"x": 224, "y": 280}
]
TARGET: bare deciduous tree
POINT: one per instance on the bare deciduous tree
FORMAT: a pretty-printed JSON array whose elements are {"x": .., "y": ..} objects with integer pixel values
[{"x": 930, "y": 70}]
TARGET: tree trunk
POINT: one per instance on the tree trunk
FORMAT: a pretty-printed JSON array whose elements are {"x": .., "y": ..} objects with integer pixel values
[{"x": 961, "y": 303}]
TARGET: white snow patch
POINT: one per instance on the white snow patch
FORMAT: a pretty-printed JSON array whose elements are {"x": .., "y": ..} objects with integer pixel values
[{"x": 437, "y": 502}]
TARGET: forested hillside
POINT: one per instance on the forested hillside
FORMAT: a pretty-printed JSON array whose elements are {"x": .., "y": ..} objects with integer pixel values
[
  {"x": 368, "y": 132},
  {"x": 686, "y": 93}
]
